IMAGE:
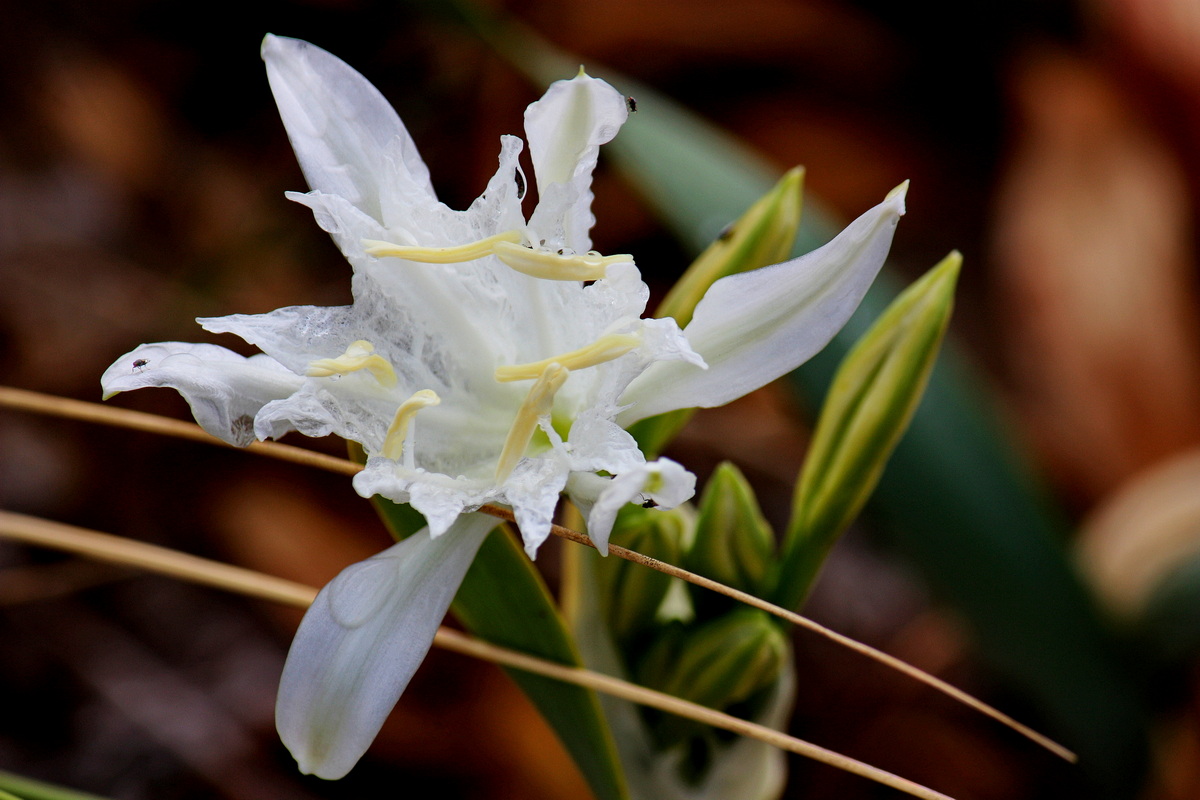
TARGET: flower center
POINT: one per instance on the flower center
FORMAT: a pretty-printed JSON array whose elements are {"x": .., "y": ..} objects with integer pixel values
[
  {"x": 606, "y": 348},
  {"x": 397, "y": 442},
  {"x": 538, "y": 403},
  {"x": 509, "y": 248},
  {"x": 359, "y": 355}
]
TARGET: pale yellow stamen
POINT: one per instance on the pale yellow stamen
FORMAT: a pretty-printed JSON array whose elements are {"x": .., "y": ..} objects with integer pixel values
[
  {"x": 359, "y": 355},
  {"x": 538, "y": 403},
  {"x": 606, "y": 348},
  {"x": 441, "y": 255},
  {"x": 553, "y": 266},
  {"x": 393, "y": 443},
  {"x": 507, "y": 246}
]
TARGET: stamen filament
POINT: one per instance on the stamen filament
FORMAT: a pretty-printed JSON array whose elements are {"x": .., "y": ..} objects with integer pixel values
[
  {"x": 606, "y": 348},
  {"x": 359, "y": 355},
  {"x": 552, "y": 266},
  {"x": 441, "y": 255},
  {"x": 538, "y": 403},
  {"x": 397, "y": 433}
]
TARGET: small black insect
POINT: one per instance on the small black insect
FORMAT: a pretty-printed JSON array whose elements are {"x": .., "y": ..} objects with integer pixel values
[
  {"x": 140, "y": 364},
  {"x": 648, "y": 503},
  {"x": 631, "y": 104}
]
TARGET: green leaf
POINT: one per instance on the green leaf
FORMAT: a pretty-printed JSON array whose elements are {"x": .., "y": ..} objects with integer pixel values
[
  {"x": 18, "y": 787},
  {"x": 869, "y": 405},
  {"x": 503, "y": 600}
]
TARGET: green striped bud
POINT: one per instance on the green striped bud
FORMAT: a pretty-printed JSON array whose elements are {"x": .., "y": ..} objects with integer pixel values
[
  {"x": 631, "y": 592},
  {"x": 720, "y": 664},
  {"x": 869, "y": 405},
  {"x": 734, "y": 544}
]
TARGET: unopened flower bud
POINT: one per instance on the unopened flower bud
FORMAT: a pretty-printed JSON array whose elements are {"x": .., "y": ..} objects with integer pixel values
[
  {"x": 633, "y": 593},
  {"x": 734, "y": 544},
  {"x": 869, "y": 405},
  {"x": 719, "y": 664}
]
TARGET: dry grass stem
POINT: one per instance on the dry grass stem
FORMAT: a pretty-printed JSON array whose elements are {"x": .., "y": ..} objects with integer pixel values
[
  {"x": 93, "y": 412},
  {"x": 117, "y": 550}
]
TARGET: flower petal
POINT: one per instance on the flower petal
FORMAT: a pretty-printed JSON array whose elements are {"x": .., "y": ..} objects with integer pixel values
[
  {"x": 753, "y": 327},
  {"x": 225, "y": 390},
  {"x": 347, "y": 137},
  {"x": 565, "y": 130},
  {"x": 362, "y": 640},
  {"x": 663, "y": 481},
  {"x": 532, "y": 491}
]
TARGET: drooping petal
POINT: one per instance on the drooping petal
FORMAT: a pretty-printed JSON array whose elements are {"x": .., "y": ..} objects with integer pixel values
[
  {"x": 225, "y": 390},
  {"x": 533, "y": 491},
  {"x": 753, "y": 327},
  {"x": 362, "y": 640},
  {"x": 347, "y": 137},
  {"x": 662, "y": 481},
  {"x": 565, "y": 130}
]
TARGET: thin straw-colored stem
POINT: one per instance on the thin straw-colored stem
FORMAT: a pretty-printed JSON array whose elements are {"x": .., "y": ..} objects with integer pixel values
[
  {"x": 808, "y": 624},
  {"x": 93, "y": 412},
  {"x": 117, "y": 550},
  {"x": 38, "y": 403}
]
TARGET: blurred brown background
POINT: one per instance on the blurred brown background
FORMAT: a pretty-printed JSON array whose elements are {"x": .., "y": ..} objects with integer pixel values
[{"x": 142, "y": 168}]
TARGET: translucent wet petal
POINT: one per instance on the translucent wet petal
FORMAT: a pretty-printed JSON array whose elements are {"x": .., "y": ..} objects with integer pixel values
[
  {"x": 361, "y": 641},
  {"x": 224, "y": 390},
  {"x": 756, "y": 326},
  {"x": 662, "y": 482}
]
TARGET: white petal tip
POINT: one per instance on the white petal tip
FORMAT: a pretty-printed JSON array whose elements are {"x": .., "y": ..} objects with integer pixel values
[
  {"x": 110, "y": 395},
  {"x": 275, "y": 46},
  {"x": 899, "y": 192}
]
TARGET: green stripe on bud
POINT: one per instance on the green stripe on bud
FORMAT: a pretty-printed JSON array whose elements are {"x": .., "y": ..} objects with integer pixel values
[
  {"x": 720, "y": 664},
  {"x": 762, "y": 236},
  {"x": 869, "y": 405},
  {"x": 734, "y": 543},
  {"x": 632, "y": 593}
]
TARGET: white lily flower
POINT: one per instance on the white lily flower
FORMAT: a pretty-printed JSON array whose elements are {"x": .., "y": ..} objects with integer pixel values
[{"x": 485, "y": 359}]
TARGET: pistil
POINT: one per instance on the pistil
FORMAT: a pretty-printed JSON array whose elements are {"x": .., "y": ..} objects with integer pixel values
[
  {"x": 359, "y": 355},
  {"x": 538, "y": 403},
  {"x": 606, "y": 348}
]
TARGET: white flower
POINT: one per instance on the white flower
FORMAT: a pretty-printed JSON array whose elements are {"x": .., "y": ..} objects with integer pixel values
[{"x": 485, "y": 359}]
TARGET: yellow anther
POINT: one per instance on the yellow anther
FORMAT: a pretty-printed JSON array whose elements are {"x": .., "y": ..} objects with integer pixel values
[
  {"x": 507, "y": 246},
  {"x": 359, "y": 355},
  {"x": 538, "y": 403},
  {"x": 441, "y": 255},
  {"x": 606, "y": 348},
  {"x": 393, "y": 443},
  {"x": 552, "y": 266}
]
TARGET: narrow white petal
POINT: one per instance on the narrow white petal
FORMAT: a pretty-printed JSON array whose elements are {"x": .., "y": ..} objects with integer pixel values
[
  {"x": 532, "y": 491},
  {"x": 753, "y": 327},
  {"x": 663, "y": 481},
  {"x": 565, "y": 130},
  {"x": 362, "y": 640},
  {"x": 347, "y": 137},
  {"x": 225, "y": 390}
]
